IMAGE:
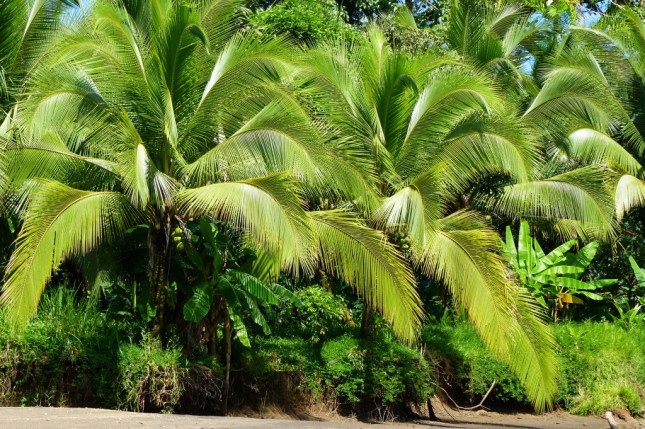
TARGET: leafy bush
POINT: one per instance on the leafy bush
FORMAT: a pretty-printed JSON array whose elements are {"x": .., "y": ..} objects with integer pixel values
[
  {"x": 275, "y": 354},
  {"x": 472, "y": 368},
  {"x": 306, "y": 20},
  {"x": 347, "y": 370},
  {"x": 396, "y": 374},
  {"x": 343, "y": 372},
  {"x": 150, "y": 377},
  {"x": 70, "y": 354},
  {"x": 602, "y": 367},
  {"x": 66, "y": 356},
  {"x": 320, "y": 316}
]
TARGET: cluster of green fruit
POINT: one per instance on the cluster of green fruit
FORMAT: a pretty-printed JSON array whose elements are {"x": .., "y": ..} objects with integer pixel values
[
  {"x": 178, "y": 239},
  {"x": 401, "y": 239}
]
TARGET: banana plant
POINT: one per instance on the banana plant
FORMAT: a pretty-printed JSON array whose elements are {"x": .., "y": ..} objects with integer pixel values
[
  {"x": 221, "y": 288},
  {"x": 553, "y": 278},
  {"x": 217, "y": 265}
]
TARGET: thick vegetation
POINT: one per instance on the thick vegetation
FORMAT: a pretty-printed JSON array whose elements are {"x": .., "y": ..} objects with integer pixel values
[{"x": 310, "y": 198}]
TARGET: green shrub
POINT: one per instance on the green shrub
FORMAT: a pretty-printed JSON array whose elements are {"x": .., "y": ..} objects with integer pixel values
[
  {"x": 396, "y": 374},
  {"x": 275, "y": 354},
  {"x": 343, "y": 372},
  {"x": 321, "y": 316},
  {"x": 70, "y": 354},
  {"x": 66, "y": 355},
  {"x": 306, "y": 20},
  {"x": 347, "y": 370},
  {"x": 601, "y": 367},
  {"x": 150, "y": 378},
  {"x": 472, "y": 367}
]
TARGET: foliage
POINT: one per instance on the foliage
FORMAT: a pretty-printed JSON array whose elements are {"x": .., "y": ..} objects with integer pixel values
[
  {"x": 308, "y": 21},
  {"x": 394, "y": 374},
  {"x": 345, "y": 370},
  {"x": 215, "y": 280},
  {"x": 185, "y": 158},
  {"x": 67, "y": 356},
  {"x": 150, "y": 378},
  {"x": 320, "y": 316},
  {"x": 639, "y": 275},
  {"x": 628, "y": 318},
  {"x": 467, "y": 369},
  {"x": 603, "y": 367},
  {"x": 430, "y": 126},
  {"x": 154, "y": 114},
  {"x": 553, "y": 278}
]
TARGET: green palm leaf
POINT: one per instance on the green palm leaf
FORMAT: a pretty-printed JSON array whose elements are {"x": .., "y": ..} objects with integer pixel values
[
  {"x": 580, "y": 195},
  {"x": 466, "y": 256},
  {"x": 363, "y": 258},
  {"x": 266, "y": 208},
  {"x": 60, "y": 222}
]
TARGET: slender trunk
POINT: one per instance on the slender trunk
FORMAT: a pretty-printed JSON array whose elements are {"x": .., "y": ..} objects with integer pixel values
[
  {"x": 227, "y": 338},
  {"x": 158, "y": 272},
  {"x": 367, "y": 323},
  {"x": 215, "y": 319},
  {"x": 367, "y": 335}
]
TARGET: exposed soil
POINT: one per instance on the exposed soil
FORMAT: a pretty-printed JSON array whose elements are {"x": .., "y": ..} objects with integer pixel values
[{"x": 50, "y": 418}]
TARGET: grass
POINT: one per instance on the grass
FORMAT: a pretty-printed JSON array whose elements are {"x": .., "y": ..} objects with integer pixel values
[{"x": 601, "y": 367}]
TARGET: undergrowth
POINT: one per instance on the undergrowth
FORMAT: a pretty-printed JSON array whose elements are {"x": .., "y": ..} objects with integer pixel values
[
  {"x": 72, "y": 354},
  {"x": 601, "y": 367}
]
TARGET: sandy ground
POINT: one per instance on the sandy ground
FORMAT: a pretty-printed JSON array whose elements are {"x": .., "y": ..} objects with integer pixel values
[{"x": 50, "y": 418}]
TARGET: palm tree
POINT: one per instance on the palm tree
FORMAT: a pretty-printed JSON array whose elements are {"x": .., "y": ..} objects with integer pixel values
[
  {"x": 24, "y": 32},
  {"x": 430, "y": 130},
  {"x": 159, "y": 112},
  {"x": 583, "y": 108},
  {"x": 521, "y": 51},
  {"x": 613, "y": 64},
  {"x": 26, "y": 26}
]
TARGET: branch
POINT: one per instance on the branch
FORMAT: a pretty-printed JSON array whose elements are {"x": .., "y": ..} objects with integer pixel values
[{"x": 481, "y": 403}]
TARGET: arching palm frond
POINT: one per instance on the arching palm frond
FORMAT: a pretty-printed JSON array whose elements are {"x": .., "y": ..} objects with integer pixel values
[
  {"x": 594, "y": 147},
  {"x": 465, "y": 255},
  {"x": 630, "y": 193},
  {"x": 60, "y": 222},
  {"x": 265, "y": 208},
  {"x": 580, "y": 195},
  {"x": 363, "y": 258},
  {"x": 480, "y": 146}
]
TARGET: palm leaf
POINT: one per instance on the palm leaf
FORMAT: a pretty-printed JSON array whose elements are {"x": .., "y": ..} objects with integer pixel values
[
  {"x": 630, "y": 193},
  {"x": 465, "y": 255},
  {"x": 364, "y": 259},
  {"x": 60, "y": 222},
  {"x": 266, "y": 208},
  {"x": 580, "y": 195}
]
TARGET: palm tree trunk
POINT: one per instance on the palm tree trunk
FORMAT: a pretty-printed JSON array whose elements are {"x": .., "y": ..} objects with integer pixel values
[
  {"x": 159, "y": 239},
  {"x": 227, "y": 338},
  {"x": 367, "y": 323},
  {"x": 367, "y": 335}
]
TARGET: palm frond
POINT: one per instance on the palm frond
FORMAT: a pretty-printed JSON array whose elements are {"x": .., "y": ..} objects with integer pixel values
[
  {"x": 594, "y": 147},
  {"x": 480, "y": 146},
  {"x": 447, "y": 99},
  {"x": 630, "y": 193},
  {"x": 581, "y": 195},
  {"x": 265, "y": 208},
  {"x": 465, "y": 254},
  {"x": 363, "y": 258},
  {"x": 60, "y": 222}
]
